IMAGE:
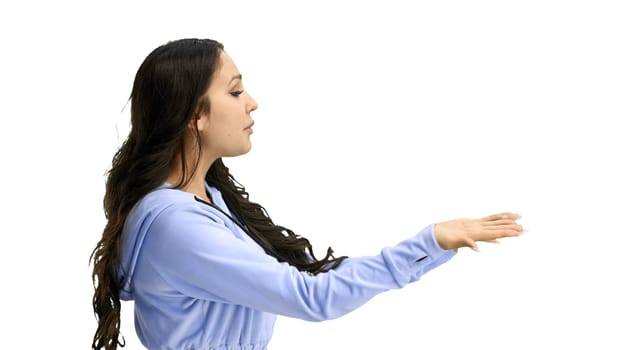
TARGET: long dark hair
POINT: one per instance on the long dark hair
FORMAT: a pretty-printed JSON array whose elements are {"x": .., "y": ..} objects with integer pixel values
[{"x": 167, "y": 90}]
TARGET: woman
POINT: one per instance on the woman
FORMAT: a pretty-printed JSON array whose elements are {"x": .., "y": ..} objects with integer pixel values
[{"x": 207, "y": 268}]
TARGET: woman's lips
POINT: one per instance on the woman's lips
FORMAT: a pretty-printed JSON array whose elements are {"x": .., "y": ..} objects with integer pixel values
[{"x": 250, "y": 127}]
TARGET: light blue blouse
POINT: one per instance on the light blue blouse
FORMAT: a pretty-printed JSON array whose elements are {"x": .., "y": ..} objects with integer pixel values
[{"x": 198, "y": 281}]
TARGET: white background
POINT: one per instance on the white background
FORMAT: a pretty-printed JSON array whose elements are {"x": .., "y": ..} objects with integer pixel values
[{"x": 374, "y": 121}]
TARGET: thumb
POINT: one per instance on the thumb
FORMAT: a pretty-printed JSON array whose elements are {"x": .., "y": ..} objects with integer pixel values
[{"x": 471, "y": 244}]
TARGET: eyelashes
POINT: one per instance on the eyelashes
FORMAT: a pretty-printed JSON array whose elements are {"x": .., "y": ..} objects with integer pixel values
[{"x": 236, "y": 93}]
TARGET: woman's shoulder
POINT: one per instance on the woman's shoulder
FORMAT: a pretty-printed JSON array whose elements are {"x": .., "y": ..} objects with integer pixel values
[
  {"x": 167, "y": 203},
  {"x": 166, "y": 196},
  {"x": 164, "y": 200}
]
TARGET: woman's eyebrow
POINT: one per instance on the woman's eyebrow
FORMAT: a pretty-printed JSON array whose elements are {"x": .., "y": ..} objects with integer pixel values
[{"x": 239, "y": 76}]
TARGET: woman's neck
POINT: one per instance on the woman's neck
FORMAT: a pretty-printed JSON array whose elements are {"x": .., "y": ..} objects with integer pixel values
[{"x": 196, "y": 184}]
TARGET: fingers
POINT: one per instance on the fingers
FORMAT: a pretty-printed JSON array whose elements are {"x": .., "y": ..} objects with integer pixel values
[
  {"x": 502, "y": 216},
  {"x": 499, "y": 222},
  {"x": 492, "y": 233},
  {"x": 505, "y": 227},
  {"x": 494, "y": 227}
]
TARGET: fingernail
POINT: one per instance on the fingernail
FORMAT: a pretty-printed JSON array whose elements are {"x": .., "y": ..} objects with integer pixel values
[
  {"x": 522, "y": 232},
  {"x": 517, "y": 216}
]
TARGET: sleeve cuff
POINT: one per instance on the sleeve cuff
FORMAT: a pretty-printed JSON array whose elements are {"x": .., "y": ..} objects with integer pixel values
[{"x": 411, "y": 258}]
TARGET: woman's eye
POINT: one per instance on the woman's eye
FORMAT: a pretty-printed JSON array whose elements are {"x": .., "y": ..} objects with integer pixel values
[{"x": 236, "y": 93}]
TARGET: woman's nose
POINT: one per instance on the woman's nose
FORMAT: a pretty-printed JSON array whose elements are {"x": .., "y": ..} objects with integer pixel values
[{"x": 252, "y": 103}]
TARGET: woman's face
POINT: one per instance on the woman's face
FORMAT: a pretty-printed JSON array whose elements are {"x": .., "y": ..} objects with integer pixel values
[{"x": 226, "y": 128}]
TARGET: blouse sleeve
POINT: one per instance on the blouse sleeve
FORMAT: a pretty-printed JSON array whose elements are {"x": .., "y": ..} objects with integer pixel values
[{"x": 202, "y": 258}]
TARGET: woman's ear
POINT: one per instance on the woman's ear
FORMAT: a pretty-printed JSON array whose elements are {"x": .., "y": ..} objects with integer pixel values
[{"x": 198, "y": 121}]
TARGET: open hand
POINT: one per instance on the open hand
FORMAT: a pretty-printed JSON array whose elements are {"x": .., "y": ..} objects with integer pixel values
[{"x": 459, "y": 233}]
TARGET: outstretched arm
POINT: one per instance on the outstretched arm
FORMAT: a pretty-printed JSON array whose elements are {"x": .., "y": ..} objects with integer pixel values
[{"x": 202, "y": 258}]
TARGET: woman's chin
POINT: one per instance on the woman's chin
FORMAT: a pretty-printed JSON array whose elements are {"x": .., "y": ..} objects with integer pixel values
[{"x": 241, "y": 151}]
